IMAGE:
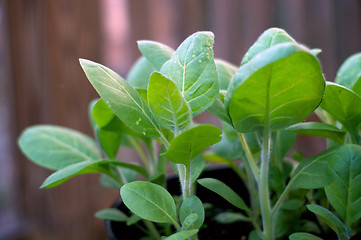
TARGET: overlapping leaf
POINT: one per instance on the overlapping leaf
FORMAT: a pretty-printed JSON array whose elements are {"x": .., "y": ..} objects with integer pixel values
[
  {"x": 349, "y": 74},
  {"x": 138, "y": 75},
  {"x": 156, "y": 53}
]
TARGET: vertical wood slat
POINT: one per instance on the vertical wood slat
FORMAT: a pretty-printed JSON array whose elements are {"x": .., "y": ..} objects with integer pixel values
[{"x": 47, "y": 39}]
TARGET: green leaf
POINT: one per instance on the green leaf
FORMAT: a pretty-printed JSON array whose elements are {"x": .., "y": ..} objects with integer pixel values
[
  {"x": 224, "y": 191},
  {"x": 189, "y": 221},
  {"x": 344, "y": 175},
  {"x": 311, "y": 172},
  {"x": 84, "y": 167},
  {"x": 343, "y": 104},
  {"x": 225, "y": 71},
  {"x": 280, "y": 87},
  {"x": 138, "y": 75},
  {"x": 303, "y": 236},
  {"x": 182, "y": 235},
  {"x": 156, "y": 53},
  {"x": 269, "y": 38},
  {"x": 348, "y": 74},
  {"x": 167, "y": 103},
  {"x": 217, "y": 108},
  {"x": 318, "y": 129},
  {"x": 191, "y": 142},
  {"x": 122, "y": 98},
  {"x": 197, "y": 167},
  {"x": 56, "y": 147},
  {"x": 283, "y": 142},
  {"x": 112, "y": 214},
  {"x": 192, "y": 205},
  {"x": 109, "y": 141},
  {"x": 149, "y": 201},
  {"x": 193, "y": 69},
  {"x": 230, "y": 217},
  {"x": 331, "y": 220}
]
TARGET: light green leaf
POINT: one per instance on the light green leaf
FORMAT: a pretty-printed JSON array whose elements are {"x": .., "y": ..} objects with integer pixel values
[
  {"x": 319, "y": 130},
  {"x": 344, "y": 105},
  {"x": 197, "y": 167},
  {"x": 56, "y": 147},
  {"x": 182, "y": 235},
  {"x": 191, "y": 142},
  {"x": 149, "y": 201},
  {"x": 112, "y": 214},
  {"x": 193, "y": 69},
  {"x": 167, "y": 103},
  {"x": 138, "y": 75},
  {"x": 122, "y": 98},
  {"x": 156, "y": 53},
  {"x": 348, "y": 74},
  {"x": 189, "y": 221},
  {"x": 84, "y": 167},
  {"x": 331, "y": 220},
  {"x": 224, "y": 191},
  {"x": 280, "y": 87},
  {"x": 269, "y": 38},
  {"x": 344, "y": 175},
  {"x": 225, "y": 71},
  {"x": 192, "y": 205},
  {"x": 217, "y": 108},
  {"x": 303, "y": 236}
]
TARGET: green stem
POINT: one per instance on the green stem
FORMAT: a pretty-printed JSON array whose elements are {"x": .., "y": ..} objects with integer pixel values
[
  {"x": 152, "y": 230},
  {"x": 185, "y": 180},
  {"x": 250, "y": 159},
  {"x": 142, "y": 156}
]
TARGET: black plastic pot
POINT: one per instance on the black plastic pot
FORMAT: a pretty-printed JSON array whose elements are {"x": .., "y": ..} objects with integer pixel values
[{"x": 211, "y": 229}]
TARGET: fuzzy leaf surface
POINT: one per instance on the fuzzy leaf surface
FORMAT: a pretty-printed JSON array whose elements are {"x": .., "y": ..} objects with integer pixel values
[{"x": 192, "y": 205}]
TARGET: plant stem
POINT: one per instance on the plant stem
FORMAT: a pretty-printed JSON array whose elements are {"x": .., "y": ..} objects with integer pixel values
[
  {"x": 250, "y": 159},
  {"x": 185, "y": 180},
  {"x": 152, "y": 230},
  {"x": 141, "y": 154}
]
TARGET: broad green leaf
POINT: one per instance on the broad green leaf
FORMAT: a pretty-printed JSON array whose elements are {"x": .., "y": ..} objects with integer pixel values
[
  {"x": 112, "y": 214},
  {"x": 193, "y": 69},
  {"x": 189, "y": 221},
  {"x": 192, "y": 205},
  {"x": 109, "y": 141},
  {"x": 331, "y": 220},
  {"x": 149, "y": 201},
  {"x": 56, "y": 147},
  {"x": 191, "y": 142},
  {"x": 182, "y": 235},
  {"x": 224, "y": 191},
  {"x": 225, "y": 71},
  {"x": 84, "y": 167},
  {"x": 303, "y": 236},
  {"x": 122, "y": 98},
  {"x": 310, "y": 173},
  {"x": 138, "y": 75},
  {"x": 343, "y": 104},
  {"x": 230, "y": 217},
  {"x": 269, "y": 38},
  {"x": 280, "y": 87},
  {"x": 344, "y": 175},
  {"x": 167, "y": 103},
  {"x": 156, "y": 53},
  {"x": 348, "y": 74}
]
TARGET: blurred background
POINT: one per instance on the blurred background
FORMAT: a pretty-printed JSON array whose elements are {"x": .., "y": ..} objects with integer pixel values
[{"x": 41, "y": 80}]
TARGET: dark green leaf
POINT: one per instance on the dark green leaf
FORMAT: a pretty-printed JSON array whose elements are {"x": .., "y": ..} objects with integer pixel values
[
  {"x": 138, "y": 75},
  {"x": 348, "y": 74},
  {"x": 156, "y": 53},
  {"x": 280, "y": 87},
  {"x": 269, "y": 38},
  {"x": 56, "y": 147},
  {"x": 303, "y": 236},
  {"x": 344, "y": 175},
  {"x": 230, "y": 217},
  {"x": 319, "y": 130},
  {"x": 190, "y": 143},
  {"x": 224, "y": 191},
  {"x": 193, "y": 69},
  {"x": 192, "y": 205},
  {"x": 182, "y": 235},
  {"x": 112, "y": 214},
  {"x": 149, "y": 201},
  {"x": 167, "y": 103}
]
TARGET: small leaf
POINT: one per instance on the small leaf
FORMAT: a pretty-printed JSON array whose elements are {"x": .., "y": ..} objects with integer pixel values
[
  {"x": 149, "y": 201},
  {"x": 193, "y": 69},
  {"x": 230, "y": 217},
  {"x": 303, "y": 236},
  {"x": 192, "y": 205},
  {"x": 167, "y": 104},
  {"x": 331, "y": 220},
  {"x": 188, "y": 221},
  {"x": 56, "y": 147},
  {"x": 156, "y": 53},
  {"x": 122, "y": 98},
  {"x": 112, "y": 214},
  {"x": 348, "y": 74},
  {"x": 268, "y": 39},
  {"x": 138, "y": 75},
  {"x": 190, "y": 143},
  {"x": 225, "y": 71},
  {"x": 182, "y": 235},
  {"x": 319, "y": 130},
  {"x": 217, "y": 109},
  {"x": 344, "y": 175},
  {"x": 224, "y": 191}
]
